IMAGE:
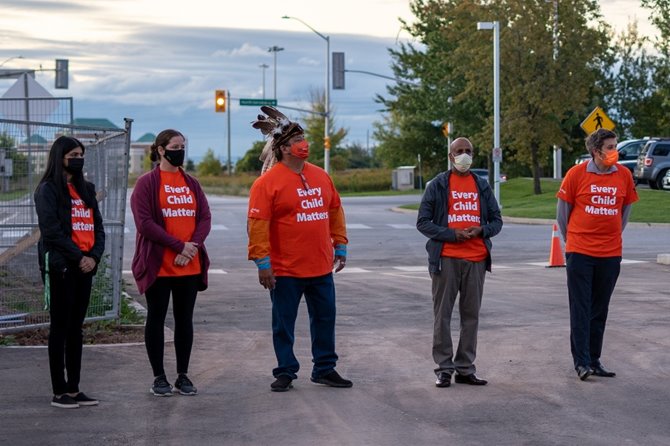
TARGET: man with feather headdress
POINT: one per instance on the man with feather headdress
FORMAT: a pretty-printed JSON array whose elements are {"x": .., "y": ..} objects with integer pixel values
[{"x": 297, "y": 236}]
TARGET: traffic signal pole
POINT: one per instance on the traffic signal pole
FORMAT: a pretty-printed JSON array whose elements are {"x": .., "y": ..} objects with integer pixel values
[{"x": 230, "y": 171}]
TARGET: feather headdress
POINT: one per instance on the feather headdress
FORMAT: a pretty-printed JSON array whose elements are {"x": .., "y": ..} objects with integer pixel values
[{"x": 278, "y": 129}]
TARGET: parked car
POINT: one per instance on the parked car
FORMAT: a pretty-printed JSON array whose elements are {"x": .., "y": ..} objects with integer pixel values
[
  {"x": 629, "y": 151},
  {"x": 484, "y": 173},
  {"x": 666, "y": 180},
  {"x": 653, "y": 162}
]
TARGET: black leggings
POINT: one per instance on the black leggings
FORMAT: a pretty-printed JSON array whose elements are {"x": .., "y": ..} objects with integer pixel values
[
  {"x": 70, "y": 294},
  {"x": 184, "y": 290}
]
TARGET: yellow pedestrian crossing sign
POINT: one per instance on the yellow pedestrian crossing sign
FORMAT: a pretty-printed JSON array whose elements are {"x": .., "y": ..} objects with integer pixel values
[{"x": 597, "y": 119}]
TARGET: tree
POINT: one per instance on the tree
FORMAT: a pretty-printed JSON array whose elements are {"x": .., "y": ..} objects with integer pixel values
[
  {"x": 660, "y": 100},
  {"x": 251, "y": 162},
  {"x": 451, "y": 70},
  {"x": 190, "y": 165},
  {"x": 314, "y": 130},
  {"x": 210, "y": 165}
]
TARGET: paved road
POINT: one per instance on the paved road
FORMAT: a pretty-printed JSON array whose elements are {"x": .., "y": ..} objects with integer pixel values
[{"x": 384, "y": 335}]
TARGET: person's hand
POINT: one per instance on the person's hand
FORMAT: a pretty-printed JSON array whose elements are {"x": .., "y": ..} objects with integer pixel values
[
  {"x": 339, "y": 262},
  {"x": 86, "y": 264},
  {"x": 267, "y": 278},
  {"x": 190, "y": 250},
  {"x": 181, "y": 260},
  {"x": 475, "y": 231},
  {"x": 462, "y": 235}
]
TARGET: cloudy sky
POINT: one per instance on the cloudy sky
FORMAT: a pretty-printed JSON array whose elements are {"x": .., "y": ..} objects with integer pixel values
[{"x": 159, "y": 61}]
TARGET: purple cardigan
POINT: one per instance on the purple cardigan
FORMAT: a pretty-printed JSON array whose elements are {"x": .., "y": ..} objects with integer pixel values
[{"x": 152, "y": 239}]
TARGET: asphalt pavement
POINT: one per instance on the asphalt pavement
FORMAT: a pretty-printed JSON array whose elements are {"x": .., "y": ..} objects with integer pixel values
[{"x": 384, "y": 341}]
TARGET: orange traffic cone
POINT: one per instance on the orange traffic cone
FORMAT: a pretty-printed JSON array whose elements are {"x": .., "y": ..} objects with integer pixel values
[{"x": 556, "y": 255}]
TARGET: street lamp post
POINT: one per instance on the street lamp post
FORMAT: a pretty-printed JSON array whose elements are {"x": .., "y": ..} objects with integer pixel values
[
  {"x": 263, "y": 67},
  {"x": 497, "y": 150},
  {"x": 274, "y": 50},
  {"x": 10, "y": 58},
  {"x": 326, "y": 114}
]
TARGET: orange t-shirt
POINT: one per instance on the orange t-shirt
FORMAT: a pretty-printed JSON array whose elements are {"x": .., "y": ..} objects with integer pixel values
[
  {"x": 178, "y": 207},
  {"x": 83, "y": 225},
  {"x": 297, "y": 208},
  {"x": 595, "y": 223},
  {"x": 463, "y": 212}
]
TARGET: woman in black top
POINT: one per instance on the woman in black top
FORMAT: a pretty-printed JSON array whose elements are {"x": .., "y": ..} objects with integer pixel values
[{"x": 72, "y": 241}]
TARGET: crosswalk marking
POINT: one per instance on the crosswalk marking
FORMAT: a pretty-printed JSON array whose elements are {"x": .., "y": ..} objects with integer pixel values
[
  {"x": 357, "y": 226},
  {"x": 219, "y": 228},
  {"x": 401, "y": 226},
  {"x": 354, "y": 270},
  {"x": 411, "y": 269}
]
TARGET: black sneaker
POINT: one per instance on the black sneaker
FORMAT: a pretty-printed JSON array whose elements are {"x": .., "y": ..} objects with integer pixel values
[
  {"x": 83, "y": 400},
  {"x": 161, "y": 387},
  {"x": 281, "y": 384},
  {"x": 64, "y": 401},
  {"x": 333, "y": 379},
  {"x": 184, "y": 385}
]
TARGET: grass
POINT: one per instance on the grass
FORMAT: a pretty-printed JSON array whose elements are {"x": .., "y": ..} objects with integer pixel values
[
  {"x": 13, "y": 195},
  {"x": 518, "y": 200}
]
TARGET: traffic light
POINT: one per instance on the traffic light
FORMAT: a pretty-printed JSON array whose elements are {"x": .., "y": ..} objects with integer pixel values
[
  {"x": 220, "y": 101},
  {"x": 326, "y": 142}
]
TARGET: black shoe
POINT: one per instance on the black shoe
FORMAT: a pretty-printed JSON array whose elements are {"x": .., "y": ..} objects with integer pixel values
[
  {"x": 599, "y": 370},
  {"x": 64, "y": 401},
  {"x": 443, "y": 380},
  {"x": 281, "y": 384},
  {"x": 333, "y": 379},
  {"x": 583, "y": 372},
  {"x": 84, "y": 400},
  {"x": 184, "y": 386},
  {"x": 161, "y": 386},
  {"x": 470, "y": 379}
]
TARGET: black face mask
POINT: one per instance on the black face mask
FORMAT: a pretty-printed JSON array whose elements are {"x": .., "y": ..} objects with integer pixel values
[
  {"x": 175, "y": 157},
  {"x": 74, "y": 165}
]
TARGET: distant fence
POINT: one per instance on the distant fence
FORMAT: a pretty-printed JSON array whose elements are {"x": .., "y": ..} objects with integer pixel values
[{"x": 24, "y": 148}]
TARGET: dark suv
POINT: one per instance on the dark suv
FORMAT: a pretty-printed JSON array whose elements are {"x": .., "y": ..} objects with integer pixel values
[{"x": 653, "y": 162}]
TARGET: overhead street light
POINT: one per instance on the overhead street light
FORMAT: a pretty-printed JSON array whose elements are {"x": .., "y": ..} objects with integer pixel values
[
  {"x": 497, "y": 150},
  {"x": 274, "y": 50},
  {"x": 11, "y": 58},
  {"x": 326, "y": 114}
]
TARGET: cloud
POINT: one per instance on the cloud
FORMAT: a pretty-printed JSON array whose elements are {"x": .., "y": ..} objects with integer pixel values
[{"x": 245, "y": 50}]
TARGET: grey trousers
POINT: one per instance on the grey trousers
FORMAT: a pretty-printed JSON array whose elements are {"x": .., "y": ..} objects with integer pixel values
[{"x": 464, "y": 278}]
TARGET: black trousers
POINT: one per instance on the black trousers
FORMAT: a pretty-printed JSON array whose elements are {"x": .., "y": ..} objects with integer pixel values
[
  {"x": 184, "y": 290},
  {"x": 591, "y": 281},
  {"x": 70, "y": 295}
]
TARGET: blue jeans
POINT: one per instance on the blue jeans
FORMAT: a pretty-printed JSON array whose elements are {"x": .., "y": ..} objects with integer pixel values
[
  {"x": 320, "y": 298},
  {"x": 591, "y": 281}
]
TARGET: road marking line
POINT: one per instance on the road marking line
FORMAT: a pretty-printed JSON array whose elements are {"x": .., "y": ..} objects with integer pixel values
[
  {"x": 357, "y": 226},
  {"x": 219, "y": 228},
  {"x": 401, "y": 226},
  {"x": 411, "y": 269},
  {"x": 350, "y": 269}
]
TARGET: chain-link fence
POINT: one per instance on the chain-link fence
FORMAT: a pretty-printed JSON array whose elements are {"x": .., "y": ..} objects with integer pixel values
[{"x": 24, "y": 148}]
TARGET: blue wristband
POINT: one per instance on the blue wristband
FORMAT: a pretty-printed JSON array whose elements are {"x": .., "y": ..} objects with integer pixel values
[
  {"x": 341, "y": 250},
  {"x": 263, "y": 263}
]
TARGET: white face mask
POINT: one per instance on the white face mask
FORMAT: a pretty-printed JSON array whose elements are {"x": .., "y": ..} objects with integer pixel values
[{"x": 462, "y": 162}]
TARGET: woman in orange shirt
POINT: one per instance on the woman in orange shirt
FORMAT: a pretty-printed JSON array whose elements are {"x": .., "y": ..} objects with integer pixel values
[
  {"x": 72, "y": 241},
  {"x": 172, "y": 219}
]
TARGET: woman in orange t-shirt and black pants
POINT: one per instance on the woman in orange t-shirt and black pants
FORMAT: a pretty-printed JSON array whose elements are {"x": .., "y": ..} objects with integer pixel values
[
  {"x": 72, "y": 241},
  {"x": 172, "y": 219},
  {"x": 594, "y": 202}
]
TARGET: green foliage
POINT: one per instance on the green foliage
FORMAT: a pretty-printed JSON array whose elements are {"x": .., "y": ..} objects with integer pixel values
[
  {"x": 450, "y": 69},
  {"x": 251, "y": 162},
  {"x": 210, "y": 165},
  {"x": 190, "y": 166}
]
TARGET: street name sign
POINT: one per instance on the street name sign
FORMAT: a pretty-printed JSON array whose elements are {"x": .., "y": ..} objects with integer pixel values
[{"x": 258, "y": 102}]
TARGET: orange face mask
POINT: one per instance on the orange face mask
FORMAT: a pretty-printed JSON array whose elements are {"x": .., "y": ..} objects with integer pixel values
[
  {"x": 300, "y": 149},
  {"x": 610, "y": 158}
]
